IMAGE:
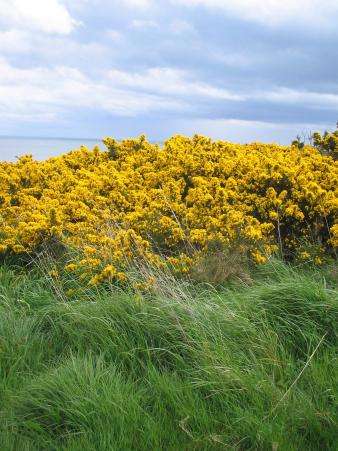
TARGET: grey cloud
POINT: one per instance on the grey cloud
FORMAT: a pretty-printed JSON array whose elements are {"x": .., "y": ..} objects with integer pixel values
[{"x": 171, "y": 62}]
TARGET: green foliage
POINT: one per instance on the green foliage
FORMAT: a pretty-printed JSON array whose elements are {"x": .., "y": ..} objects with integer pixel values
[
  {"x": 297, "y": 142},
  {"x": 201, "y": 370},
  {"x": 327, "y": 143}
]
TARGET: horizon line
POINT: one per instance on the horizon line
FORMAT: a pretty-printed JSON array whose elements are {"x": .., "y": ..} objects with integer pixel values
[{"x": 50, "y": 137}]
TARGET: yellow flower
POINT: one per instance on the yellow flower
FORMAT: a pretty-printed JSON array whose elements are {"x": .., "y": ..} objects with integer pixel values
[
  {"x": 108, "y": 272},
  {"x": 258, "y": 257},
  {"x": 304, "y": 255},
  {"x": 94, "y": 281},
  {"x": 53, "y": 273},
  {"x": 318, "y": 261},
  {"x": 273, "y": 215},
  {"x": 121, "y": 276},
  {"x": 18, "y": 248}
]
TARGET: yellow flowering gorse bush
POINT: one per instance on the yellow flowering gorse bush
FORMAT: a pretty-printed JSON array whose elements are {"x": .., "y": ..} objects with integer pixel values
[{"x": 168, "y": 203}]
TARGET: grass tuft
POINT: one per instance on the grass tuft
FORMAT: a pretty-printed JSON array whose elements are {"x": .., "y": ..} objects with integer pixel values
[{"x": 187, "y": 367}]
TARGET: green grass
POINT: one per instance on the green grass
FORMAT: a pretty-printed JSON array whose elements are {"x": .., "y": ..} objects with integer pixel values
[{"x": 244, "y": 367}]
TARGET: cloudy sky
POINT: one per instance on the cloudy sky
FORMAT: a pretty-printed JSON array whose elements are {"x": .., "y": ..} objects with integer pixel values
[{"x": 241, "y": 70}]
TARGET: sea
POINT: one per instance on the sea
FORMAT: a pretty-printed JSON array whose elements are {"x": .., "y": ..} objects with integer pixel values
[{"x": 41, "y": 148}]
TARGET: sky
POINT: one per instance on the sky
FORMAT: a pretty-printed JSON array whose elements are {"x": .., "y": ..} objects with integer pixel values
[{"x": 239, "y": 70}]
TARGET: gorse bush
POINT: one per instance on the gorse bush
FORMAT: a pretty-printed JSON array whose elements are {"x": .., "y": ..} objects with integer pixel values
[
  {"x": 166, "y": 205},
  {"x": 327, "y": 143}
]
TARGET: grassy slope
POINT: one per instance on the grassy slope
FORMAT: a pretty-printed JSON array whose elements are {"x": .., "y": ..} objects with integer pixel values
[{"x": 208, "y": 371}]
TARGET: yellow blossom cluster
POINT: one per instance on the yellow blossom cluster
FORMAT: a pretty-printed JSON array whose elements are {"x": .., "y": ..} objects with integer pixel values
[{"x": 167, "y": 203}]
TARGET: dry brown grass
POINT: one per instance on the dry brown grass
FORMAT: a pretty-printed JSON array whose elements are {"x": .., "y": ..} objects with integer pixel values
[{"x": 220, "y": 264}]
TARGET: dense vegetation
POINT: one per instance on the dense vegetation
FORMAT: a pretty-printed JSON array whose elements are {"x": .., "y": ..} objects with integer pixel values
[
  {"x": 175, "y": 298},
  {"x": 326, "y": 143},
  {"x": 250, "y": 366},
  {"x": 170, "y": 205}
]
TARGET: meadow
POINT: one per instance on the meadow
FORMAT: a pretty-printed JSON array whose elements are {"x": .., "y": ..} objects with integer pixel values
[
  {"x": 181, "y": 297},
  {"x": 247, "y": 366}
]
